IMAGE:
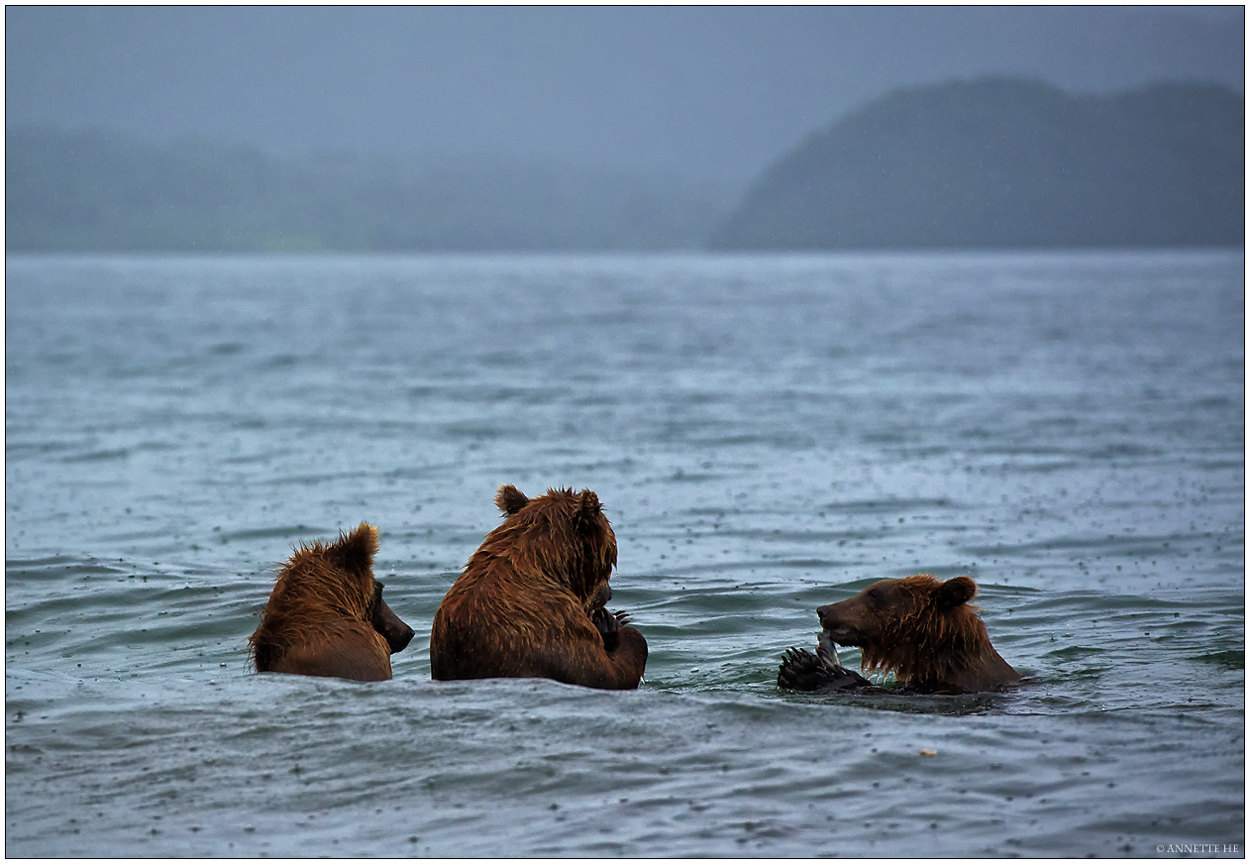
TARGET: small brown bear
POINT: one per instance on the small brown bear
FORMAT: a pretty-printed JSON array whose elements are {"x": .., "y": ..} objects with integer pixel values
[
  {"x": 920, "y": 629},
  {"x": 326, "y": 615},
  {"x": 530, "y": 602}
]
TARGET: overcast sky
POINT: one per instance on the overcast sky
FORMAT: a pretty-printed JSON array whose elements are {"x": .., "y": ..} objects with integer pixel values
[{"x": 698, "y": 91}]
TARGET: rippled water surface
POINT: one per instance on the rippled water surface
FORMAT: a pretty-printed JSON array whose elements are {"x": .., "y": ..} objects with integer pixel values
[{"x": 767, "y": 434}]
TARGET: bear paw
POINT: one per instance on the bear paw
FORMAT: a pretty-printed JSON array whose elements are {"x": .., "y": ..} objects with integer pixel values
[
  {"x": 608, "y": 623},
  {"x": 803, "y": 670}
]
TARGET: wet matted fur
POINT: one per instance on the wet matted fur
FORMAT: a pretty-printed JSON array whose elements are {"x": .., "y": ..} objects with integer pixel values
[
  {"x": 527, "y": 603},
  {"x": 922, "y": 630},
  {"x": 326, "y": 616}
]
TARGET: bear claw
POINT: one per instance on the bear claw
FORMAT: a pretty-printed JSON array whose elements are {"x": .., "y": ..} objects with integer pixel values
[{"x": 803, "y": 670}]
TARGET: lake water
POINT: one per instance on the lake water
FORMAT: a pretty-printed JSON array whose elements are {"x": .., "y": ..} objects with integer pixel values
[{"x": 767, "y": 434}]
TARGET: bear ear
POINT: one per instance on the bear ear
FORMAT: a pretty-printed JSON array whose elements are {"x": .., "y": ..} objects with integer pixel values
[
  {"x": 354, "y": 552},
  {"x": 588, "y": 509},
  {"x": 955, "y": 592},
  {"x": 588, "y": 504},
  {"x": 510, "y": 499}
]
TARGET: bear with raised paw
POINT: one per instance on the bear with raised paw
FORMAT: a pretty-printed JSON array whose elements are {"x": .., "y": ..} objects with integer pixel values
[
  {"x": 531, "y": 602},
  {"x": 921, "y": 629}
]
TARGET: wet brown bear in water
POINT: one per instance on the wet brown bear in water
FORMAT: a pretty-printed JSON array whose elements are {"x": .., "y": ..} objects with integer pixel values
[
  {"x": 530, "y": 602},
  {"x": 326, "y": 615},
  {"x": 920, "y": 629}
]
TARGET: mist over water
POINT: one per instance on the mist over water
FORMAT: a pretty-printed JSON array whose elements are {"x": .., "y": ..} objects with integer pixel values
[{"x": 767, "y": 434}]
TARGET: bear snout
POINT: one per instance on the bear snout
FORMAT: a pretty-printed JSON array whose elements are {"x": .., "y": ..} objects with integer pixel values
[
  {"x": 830, "y": 621},
  {"x": 399, "y": 641},
  {"x": 393, "y": 629},
  {"x": 602, "y": 596},
  {"x": 399, "y": 638}
]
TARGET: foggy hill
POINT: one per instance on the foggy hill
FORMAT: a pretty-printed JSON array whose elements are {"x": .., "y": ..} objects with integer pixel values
[
  {"x": 1002, "y": 163},
  {"x": 714, "y": 92},
  {"x": 91, "y": 190}
]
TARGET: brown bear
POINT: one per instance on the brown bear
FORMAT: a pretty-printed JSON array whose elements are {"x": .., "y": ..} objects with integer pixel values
[
  {"x": 326, "y": 615},
  {"x": 920, "y": 629},
  {"x": 530, "y": 602}
]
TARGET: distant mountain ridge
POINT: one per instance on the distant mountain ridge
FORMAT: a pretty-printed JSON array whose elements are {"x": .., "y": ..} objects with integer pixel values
[
  {"x": 90, "y": 190},
  {"x": 1009, "y": 163},
  {"x": 988, "y": 163}
]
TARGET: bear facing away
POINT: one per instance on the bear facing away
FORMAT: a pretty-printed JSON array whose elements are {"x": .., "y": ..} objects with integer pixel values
[
  {"x": 326, "y": 615},
  {"x": 920, "y": 629},
  {"x": 530, "y": 602}
]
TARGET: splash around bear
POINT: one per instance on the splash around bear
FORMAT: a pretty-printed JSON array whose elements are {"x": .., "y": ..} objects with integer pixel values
[
  {"x": 922, "y": 630},
  {"x": 530, "y": 602},
  {"x": 326, "y": 615}
]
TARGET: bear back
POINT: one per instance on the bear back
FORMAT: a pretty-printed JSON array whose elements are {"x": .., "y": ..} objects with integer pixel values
[{"x": 530, "y": 601}]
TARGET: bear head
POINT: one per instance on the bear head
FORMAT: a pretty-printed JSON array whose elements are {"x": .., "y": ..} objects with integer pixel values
[
  {"x": 563, "y": 534},
  {"x": 921, "y": 629}
]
